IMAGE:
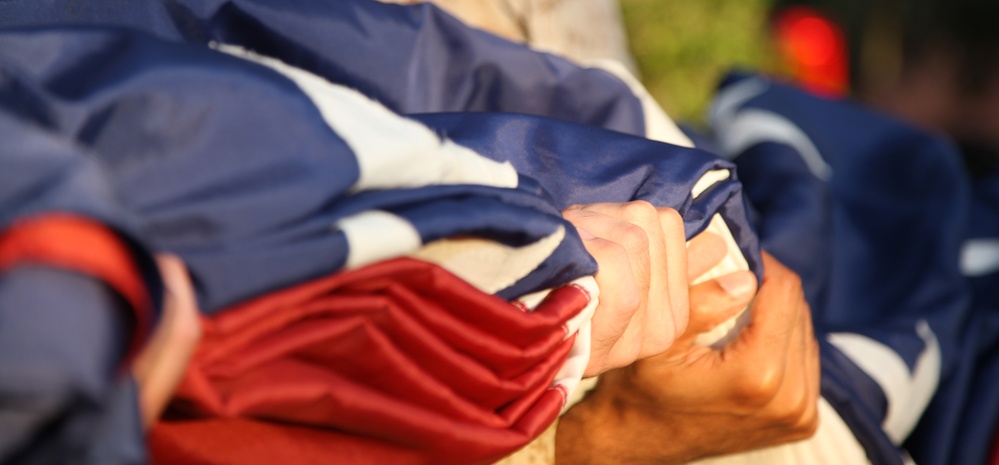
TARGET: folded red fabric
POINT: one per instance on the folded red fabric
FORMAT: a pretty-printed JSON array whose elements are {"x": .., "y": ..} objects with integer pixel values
[{"x": 400, "y": 362}]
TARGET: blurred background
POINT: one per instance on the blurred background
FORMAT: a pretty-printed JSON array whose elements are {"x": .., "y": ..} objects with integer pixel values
[
  {"x": 930, "y": 62},
  {"x": 684, "y": 46}
]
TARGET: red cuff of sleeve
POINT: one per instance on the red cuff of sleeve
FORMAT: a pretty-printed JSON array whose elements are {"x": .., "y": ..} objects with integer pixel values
[{"x": 81, "y": 245}]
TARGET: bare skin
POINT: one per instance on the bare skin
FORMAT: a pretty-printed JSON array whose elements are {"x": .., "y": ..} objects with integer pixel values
[
  {"x": 641, "y": 251},
  {"x": 160, "y": 366},
  {"x": 694, "y": 402}
]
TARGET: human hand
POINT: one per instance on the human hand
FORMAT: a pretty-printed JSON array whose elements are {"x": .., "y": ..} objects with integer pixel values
[
  {"x": 642, "y": 278},
  {"x": 694, "y": 402},
  {"x": 160, "y": 365}
]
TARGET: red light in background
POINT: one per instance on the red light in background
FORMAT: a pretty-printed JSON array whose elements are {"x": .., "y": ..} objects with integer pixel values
[
  {"x": 814, "y": 42},
  {"x": 814, "y": 49}
]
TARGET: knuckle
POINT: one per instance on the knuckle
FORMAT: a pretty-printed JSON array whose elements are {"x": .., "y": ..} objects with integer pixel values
[
  {"x": 800, "y": 419},
  {"x": 639, "y": 210},
  {"x": 576, "y": 215},
  {"x": 634, "y": 238},
  {"x": 809, "y": 424},
  {"x": 790, "y": 279},
  {"x": 670, "y": 217},
  {"x": 571, "y": 215},
  {"x": 802, "y": 430},
  {"x": 789, "y": 414},
  {"x": 794, "y": 281},
  {"x": 611, "y": 250},
  {"x": 610, "y": 255},
  {"x": 756, "y": 390}
]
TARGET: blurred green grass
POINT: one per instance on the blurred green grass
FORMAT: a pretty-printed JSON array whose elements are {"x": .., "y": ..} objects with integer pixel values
[{"x": 683, "y": 47}]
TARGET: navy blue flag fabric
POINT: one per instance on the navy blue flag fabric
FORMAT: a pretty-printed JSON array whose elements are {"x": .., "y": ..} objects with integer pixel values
[
  {"x": 979, "y": 264},
  {"x": 412, "y": 59},
  {"x": 871, "y": 213},
  {"x": 980, "y": 252},
  {"x": 262, "y": 176}
]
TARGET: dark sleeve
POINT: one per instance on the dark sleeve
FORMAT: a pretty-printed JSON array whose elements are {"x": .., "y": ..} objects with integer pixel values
[{"x": 64, "y": 398}]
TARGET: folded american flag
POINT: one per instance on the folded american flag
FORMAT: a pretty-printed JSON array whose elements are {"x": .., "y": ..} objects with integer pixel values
[{"x": 285, "y": 194}]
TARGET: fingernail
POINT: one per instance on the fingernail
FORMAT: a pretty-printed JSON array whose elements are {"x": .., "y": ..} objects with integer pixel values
[
  {"x": 738, "y": 284},
  {"x": 584, "y": 234}
]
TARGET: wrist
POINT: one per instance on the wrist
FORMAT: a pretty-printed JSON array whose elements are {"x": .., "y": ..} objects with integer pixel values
[
  {"x": 609, "y": 427},
  {"x": 578, "y": 439}
]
